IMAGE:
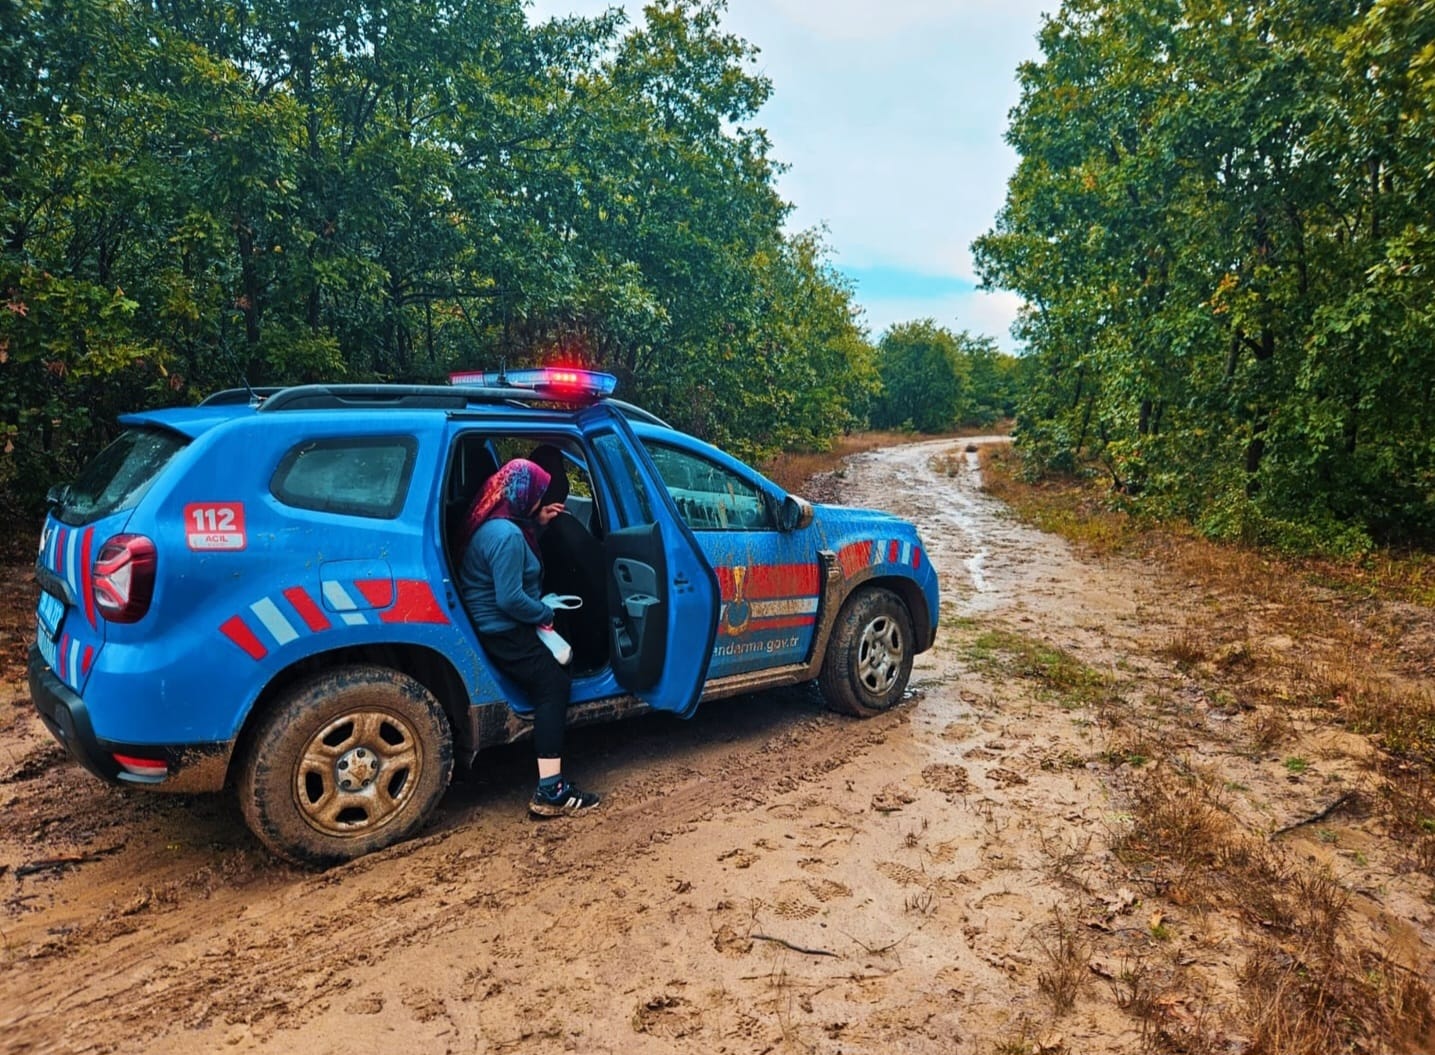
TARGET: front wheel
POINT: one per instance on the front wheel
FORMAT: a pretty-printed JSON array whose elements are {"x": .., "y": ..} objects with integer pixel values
[
  {"x": 345, "y": 764},
  {"x": 869, "y": 657}
]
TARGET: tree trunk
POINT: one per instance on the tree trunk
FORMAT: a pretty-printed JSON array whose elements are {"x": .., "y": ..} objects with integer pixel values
[
  {"x": 1264, "y": 350},
  {"x": 249, "y": 286}
]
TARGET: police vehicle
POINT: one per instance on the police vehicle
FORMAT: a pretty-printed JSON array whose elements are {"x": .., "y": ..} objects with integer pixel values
[{"x": 260, "y": 592}]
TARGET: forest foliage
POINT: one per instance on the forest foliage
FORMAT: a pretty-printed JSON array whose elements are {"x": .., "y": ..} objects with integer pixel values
[
  {"x": 933, "y": 379},
  {"x": 204, "y": 193},
  {"x": 1221, "y": 225}
]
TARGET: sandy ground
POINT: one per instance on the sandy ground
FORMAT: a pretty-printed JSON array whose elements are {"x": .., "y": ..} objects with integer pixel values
[{"x": 768, "y": 877}]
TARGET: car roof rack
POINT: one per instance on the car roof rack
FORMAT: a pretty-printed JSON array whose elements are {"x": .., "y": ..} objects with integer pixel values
[
  {"x": 414, "y": 397},
  {"x": 380, "y": 397},
  {"x": 405, "y": 397},
  {"x": 228, "y": 397}
]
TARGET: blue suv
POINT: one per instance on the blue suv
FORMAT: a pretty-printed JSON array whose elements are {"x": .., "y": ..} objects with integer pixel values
[{"x": 259, "y": 592}]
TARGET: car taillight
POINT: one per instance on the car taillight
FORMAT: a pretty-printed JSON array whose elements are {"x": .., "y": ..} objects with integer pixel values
[
  {"x": 144, "y": 770},
  {"x": 123, "y": 577}
]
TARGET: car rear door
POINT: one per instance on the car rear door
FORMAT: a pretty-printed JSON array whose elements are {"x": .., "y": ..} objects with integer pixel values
[{"x": 662, "y": 593}]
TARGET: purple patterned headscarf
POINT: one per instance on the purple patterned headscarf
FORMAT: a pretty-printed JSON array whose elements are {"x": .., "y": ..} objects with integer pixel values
[{"x": 513, "y": 493}]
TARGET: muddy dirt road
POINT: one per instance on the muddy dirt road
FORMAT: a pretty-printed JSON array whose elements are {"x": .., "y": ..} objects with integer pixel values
[{"x": 767, "y": 877}]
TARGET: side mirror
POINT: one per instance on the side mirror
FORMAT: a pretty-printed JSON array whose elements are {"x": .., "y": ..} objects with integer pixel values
[
  {"x": 57, "y": 495},
  {"x": 796, "y": 514}
]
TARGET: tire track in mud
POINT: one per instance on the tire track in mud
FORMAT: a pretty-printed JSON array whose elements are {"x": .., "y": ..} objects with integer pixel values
[
  {"x": 210, "y": 949},
  {"x": 247, "y": 941},
  {"x": 989, "y": 562},
  {"x": 763, "y": 815}
]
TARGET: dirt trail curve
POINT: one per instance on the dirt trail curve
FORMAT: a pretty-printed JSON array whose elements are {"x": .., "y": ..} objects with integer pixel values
[{"x": 767, "y": 877}]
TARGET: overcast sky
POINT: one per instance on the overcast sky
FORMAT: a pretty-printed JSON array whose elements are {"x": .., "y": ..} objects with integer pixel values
[{"x": 890, "y": 114}]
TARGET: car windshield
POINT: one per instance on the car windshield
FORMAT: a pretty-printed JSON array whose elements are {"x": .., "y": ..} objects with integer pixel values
[{"x": 119, "y": 476}]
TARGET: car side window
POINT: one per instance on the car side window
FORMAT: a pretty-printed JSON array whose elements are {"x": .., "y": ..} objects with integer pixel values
[
  {"x": 365, "y": 476},
  {"x": 708, "y": 496}
]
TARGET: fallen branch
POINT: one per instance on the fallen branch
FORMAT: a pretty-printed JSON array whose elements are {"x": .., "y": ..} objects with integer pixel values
[
  {"x": 1314, "y": 817},
  {"x": 47, "y": 864},
  {"x": 878, "y": 950},
  {"x": 787, "y": 944}
]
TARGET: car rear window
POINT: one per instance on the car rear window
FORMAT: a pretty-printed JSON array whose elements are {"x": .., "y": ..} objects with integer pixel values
[
  {"x": 364, "y": 476},
  {"x": 119, "y": 475}
]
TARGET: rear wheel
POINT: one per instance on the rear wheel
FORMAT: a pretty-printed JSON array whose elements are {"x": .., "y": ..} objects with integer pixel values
[
  {"x": 347, "y": 763},
  {"x": 869, "y": 657}
]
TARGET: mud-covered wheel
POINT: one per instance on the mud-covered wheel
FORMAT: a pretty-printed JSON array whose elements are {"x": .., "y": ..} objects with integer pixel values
[
  {"x": 344, "y": 764},
  {"x": 869, "y": 657}
]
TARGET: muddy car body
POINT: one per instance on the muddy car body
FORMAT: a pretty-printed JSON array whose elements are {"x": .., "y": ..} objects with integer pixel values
[{"x": 260, "y": 591}]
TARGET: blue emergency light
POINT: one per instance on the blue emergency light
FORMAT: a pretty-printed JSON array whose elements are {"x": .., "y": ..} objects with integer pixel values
[{"x": 563, "y": 382}]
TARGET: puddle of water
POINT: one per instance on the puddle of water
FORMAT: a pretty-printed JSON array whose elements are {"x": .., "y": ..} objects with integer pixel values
[{"x": 976, "y": 563}]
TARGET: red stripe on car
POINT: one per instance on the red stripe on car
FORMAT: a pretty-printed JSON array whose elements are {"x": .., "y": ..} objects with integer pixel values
[
  {"x": 780, "y": 623},
  {"x": 762, "y": 582},
  {"x": 87, "y": 582},
  {"x": 235, "y": 629},
  {"x": 87, "y": 659},
  {"x": 894, "y": 550},
  {"x": 378, "y": 592},
  {"x": 854, "y": 557},
  {"x": 415, "y": 604},
  {"x": 313, "y": 616}
]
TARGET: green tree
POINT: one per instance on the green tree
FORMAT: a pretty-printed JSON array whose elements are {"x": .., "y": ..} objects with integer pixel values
[
  {"x": 1212, "y": 224},
  {"x": 926, "y": 377},
  {"x": 200, "y": 192}
]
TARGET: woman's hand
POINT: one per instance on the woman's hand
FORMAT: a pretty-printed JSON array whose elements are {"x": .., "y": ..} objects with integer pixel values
[{"x": 548, "y": 512}]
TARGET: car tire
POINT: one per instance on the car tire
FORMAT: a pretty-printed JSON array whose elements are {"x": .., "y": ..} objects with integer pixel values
[
  {"x": 344, "y": 764},
  {"x": 869, "y": 657}
]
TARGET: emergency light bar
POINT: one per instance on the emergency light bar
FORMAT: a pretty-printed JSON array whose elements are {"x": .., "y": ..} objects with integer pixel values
[{"x": 563, "y": 382}]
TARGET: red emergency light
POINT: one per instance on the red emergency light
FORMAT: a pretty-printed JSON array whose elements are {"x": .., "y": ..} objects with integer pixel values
[{"x": 563, "y": 381}]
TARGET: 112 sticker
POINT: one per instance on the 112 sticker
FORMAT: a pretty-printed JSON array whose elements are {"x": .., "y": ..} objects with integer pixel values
[{"x": 214, "y": 525}]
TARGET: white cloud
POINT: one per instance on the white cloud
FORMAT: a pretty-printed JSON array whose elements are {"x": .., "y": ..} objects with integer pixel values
[
  {"x": 980, "y": 313},
  {"x": 867, "y": 20},
  {"x": 894, "y": 139},
  {"x": 992, "y": 313},
  {"x": 890, "y": 116},
  {"x": 903, "y": 204}
]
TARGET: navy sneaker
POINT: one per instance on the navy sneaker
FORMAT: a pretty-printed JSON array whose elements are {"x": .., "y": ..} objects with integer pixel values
[{"x": 564, "y": 799}]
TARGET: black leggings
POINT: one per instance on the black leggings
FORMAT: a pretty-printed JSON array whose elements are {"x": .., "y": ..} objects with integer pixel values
[{"x": 525, "y": 659}]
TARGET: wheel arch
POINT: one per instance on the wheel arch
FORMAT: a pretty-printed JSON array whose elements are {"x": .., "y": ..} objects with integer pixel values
[
  {"x": 429, "y": 667},
  {"x": 910, "y": 594}
]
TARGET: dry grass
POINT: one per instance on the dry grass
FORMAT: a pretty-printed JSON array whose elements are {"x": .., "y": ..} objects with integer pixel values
[
  {"x": 1185, "y": 649},
  {"x": 1314, "y": 997},
  {"x": 1067, "y": 953},
  {"x": 1407, "y": 799},
  {"x": 1179, "y": 820},
  {"x": 1065, "y": 506},
  {"x": 1355, "y": 640},
  {"x": 1308, "y": 984},
  {"x": 1280, "y": 646},
  {"x": 1406, "y": 576}
]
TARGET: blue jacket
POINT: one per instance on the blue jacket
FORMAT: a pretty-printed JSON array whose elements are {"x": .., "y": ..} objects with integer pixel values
[{"x": 501, "y": 580}]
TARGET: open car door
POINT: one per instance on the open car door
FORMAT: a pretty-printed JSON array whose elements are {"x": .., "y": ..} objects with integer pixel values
[{"x": 662, "y": 593}]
